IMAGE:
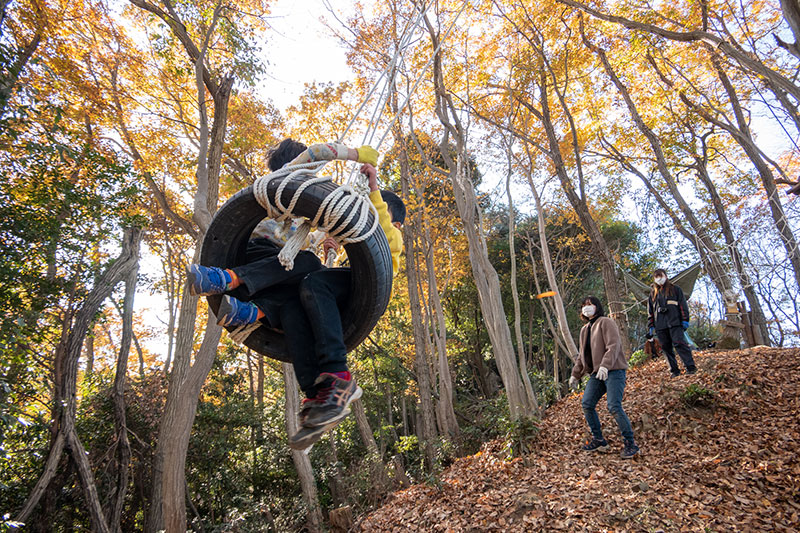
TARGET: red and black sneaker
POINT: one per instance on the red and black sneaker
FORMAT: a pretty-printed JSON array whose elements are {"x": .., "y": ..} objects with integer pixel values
[
  {"x": 332, "y": 401},
  {"x": 305, "y": 408}
]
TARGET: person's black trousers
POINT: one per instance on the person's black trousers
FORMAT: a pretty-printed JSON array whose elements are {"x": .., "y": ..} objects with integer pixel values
[
  {"x": 312, "y": 326},
  {"x": 305, "y": 302},
  {"x": 263, "y": 269},
  {"x": 672, "y": 340}
]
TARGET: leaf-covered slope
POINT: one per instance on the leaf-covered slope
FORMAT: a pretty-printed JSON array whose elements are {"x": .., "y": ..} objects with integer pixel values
[{"x": 726, "y": 460}]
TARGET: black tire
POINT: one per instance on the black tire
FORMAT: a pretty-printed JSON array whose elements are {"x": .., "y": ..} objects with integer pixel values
[{"x": 225, "y": 246}]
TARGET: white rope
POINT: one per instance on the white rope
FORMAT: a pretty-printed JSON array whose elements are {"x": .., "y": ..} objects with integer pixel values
[
  {"x": 240, "y": 334},
  {"x": 330, "y": 216},
  {"x": 423, "y": 71}
]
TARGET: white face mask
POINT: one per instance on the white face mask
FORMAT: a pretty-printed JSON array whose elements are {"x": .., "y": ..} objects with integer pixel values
[
  {"x": 588, "y": 311},
  {"x": 660, "y": 280}
]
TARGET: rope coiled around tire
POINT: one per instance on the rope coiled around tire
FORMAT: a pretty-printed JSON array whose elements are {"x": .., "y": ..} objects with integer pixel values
[{"x": 298, "y": 194}]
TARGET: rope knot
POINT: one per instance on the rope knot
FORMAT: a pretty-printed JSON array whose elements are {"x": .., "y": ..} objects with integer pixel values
[{"x": 330, "y": 216}]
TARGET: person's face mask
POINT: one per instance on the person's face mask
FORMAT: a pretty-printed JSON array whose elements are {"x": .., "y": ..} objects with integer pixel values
[
  {"x": 588, "y": 311},
  {"x": 660, "y": 280}
]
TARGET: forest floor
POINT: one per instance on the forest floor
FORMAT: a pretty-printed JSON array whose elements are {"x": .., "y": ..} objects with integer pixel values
[{"x": 728, "y": 463}]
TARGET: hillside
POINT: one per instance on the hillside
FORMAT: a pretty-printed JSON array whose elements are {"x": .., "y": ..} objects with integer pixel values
[{"x": 728, "y": 463}]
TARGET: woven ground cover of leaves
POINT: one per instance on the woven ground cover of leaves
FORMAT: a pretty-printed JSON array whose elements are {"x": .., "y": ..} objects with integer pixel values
[{"x": 719, "y": 452}]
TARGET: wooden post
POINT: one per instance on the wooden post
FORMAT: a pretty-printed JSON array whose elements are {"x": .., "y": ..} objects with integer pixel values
[{"x": 748, "y": 326}]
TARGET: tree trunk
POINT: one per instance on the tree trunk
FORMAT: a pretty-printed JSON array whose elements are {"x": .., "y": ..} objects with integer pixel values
[
  {"x": 66, "y": 365},
  {"x": 558, "y": 300},
  {"x": 439, "y": 332},
  {"x": 89, "y": 349},
  {"x": 167, "y": 504},
  {"x": 301, "y": 461},
  {"x": 120, "y": 423},
  {"x": 521, "y": 359},
  {"x": 486, "y": 279},
  {"x": 428, "y": 429}
]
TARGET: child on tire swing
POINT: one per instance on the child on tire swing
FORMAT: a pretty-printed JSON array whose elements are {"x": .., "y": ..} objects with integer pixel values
[{"x": 305, "y": 302}]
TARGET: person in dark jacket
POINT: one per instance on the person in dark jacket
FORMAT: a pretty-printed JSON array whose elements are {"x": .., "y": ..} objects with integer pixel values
[
  {"x": 668, "y": 317},
  {"x": 601, "y": 357}
]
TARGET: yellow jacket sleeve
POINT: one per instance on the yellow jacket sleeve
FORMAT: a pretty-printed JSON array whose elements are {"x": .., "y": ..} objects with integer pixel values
[{"x": 393, "y": 235}]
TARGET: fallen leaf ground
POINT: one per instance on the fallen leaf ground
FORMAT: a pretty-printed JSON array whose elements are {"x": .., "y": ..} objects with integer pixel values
[{"x": 729, "y": 464}]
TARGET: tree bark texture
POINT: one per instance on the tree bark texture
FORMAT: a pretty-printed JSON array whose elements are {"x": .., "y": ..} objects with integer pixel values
[
  {"x": 486, "y": 279},
  {"x": 301, "y": 461},
  {"x": 65, "y": 391}
]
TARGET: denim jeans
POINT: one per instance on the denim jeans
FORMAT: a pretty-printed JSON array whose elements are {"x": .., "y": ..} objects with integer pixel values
[
  {"x": 674, "y": 340},
  {"x": 312, "y": 325},
  {"x": 614, "y": 386}
]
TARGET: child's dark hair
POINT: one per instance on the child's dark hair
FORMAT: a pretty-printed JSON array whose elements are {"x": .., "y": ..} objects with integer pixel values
[
  {"x": 396, "y": 206},
  {"x": 598, "y": 307},
  {"x": 287, "y": 150}
]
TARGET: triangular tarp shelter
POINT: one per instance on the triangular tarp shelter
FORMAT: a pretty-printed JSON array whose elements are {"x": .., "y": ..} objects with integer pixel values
[{"x": 685, "y": 280}]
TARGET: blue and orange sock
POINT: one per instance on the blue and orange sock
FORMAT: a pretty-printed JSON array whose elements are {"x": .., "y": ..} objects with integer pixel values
[{"x": 231, "y": 279}]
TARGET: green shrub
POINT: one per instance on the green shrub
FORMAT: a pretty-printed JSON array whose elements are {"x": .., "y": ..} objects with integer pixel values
[
  {"x": 545, "y": 388},
  {"x": 637, "y": 358},
  {"x": 704, "y": 335},
  {"x": 520, "y": 434},
  {"x": 698, "y": 396}
]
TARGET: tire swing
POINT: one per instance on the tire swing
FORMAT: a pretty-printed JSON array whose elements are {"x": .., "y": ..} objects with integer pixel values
[{"x": 339, "y": 211}]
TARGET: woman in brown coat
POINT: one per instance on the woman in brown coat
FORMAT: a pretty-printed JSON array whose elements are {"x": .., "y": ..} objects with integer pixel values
[{"x": 601, "y": 357}]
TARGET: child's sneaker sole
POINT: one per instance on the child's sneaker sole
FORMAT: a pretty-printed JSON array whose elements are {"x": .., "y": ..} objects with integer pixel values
[
  {"x": 306, "y": 437},
  {"x": 602, "y": 449}
]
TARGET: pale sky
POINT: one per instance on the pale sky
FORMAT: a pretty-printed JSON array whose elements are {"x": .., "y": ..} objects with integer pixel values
[{"x": 300, "y": 50}]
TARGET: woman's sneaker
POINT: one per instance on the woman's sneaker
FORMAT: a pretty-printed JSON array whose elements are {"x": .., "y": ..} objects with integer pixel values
[
  {"x": 596, "y": 445},
  {"x": 333, "y": 400},
  {"x": 205, "y": 281},
  {"x": 233, "y": 312},
  {"x": 629, "y": 450}
]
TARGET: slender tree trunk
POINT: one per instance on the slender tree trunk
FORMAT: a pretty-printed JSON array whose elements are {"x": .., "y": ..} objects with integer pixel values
[
  {"x": 89, "y": 349},
  {"x": 428, "y": 429},
  {"x": 301, "y": 461},
  {"x": 120, "y": 422},
  {"x": 486, "y": 279},
  {"x": 521, "y": 359},
  {"x": 558, "y": 300},
  {"x": 439, "y": 332},
  {"x": 65, "y": 390}
]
